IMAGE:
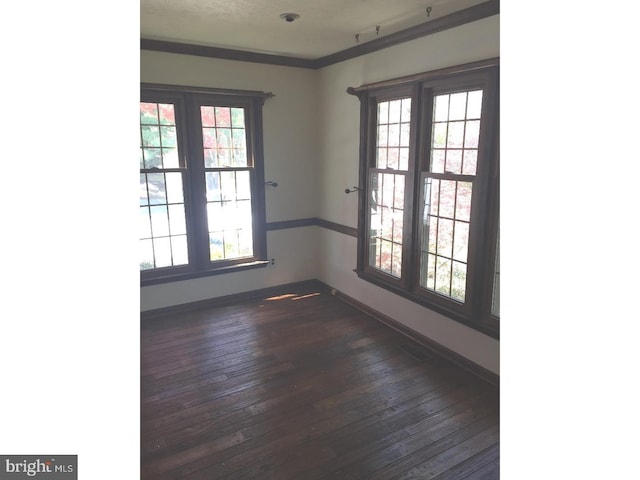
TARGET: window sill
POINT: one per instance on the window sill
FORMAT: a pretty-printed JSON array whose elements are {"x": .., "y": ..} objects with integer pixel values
[
  {"x": 481, "y": 327},
  {"x": 145, "y": 282}
]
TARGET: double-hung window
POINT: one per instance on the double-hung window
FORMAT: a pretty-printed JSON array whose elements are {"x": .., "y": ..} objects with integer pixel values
[
  {"x": 201, "y": 182},
  {"x": 429, "y": 180}
]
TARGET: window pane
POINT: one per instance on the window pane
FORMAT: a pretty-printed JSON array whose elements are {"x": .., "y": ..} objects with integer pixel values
[
  {"x": 159, "y": 221},
  {"x": 239, "y": 138},
  {"x": 210, "y": 158},
  {"x": 170, "y": 158},
  {"x": 245, "y": 243},
  {"x": 146, "y": 255},
  {"x": 447, "y": 198},
  {"x": 148, "y": 113},
  {"x": 150, "y": 136},
  {"x": 215, "y": 218},
  {"x": 174, "y": 187},
  {"x": 470, "y": 162},
  {"x": 393, "y": 158},
  {"x": 454, "y": 161},
  {"x": 207, "y": 117},
  {"x": 162, "y": 251},
  {"x": 216, "y": 246},
  {"x": 458, "y": 281},
  {"x": 177, "y": 221},
  {"x": 144, "y": 199},
  {"x": 381, "y": 158},
  {"x": 455, "y": 135},
  {"x": 237, "y": 117},
  {"x": 439, "y": 139},
  {"x": 152, "y": 157},
  {"x": 239, "y": 157},
  {"x": 457, "y": 106},
  {"x": 463, "y": 201},
  {"x": 394, "y": 135},
  {"x": 209, "y": 138},
  {"x": 472, "y": 133},
  {"x": 179, "y": 250},
  {"x": 383, "y": 113},
  {"x": 444, "y": 244},
  {"x": 169, "y": 138},
  {"x": 231, "y": 249},
  {"x": 243, "y": 182},
  {"x": 474, "y": 104},
  {"x": 404, "y": 159},
  {"x": 167, "y": 114},
  {"x": 228, "y": 185},
  {"x": 406, "y": 110},
  {"x": 383, "y": 138},
  {"x": 145, "y": 223},
  {"x": 213, "y": 186},
  {"x": 157, "y": 189},
  {"x": 461, "y": 241},
  {"x": 441, "y": 109},
  {"x": 394, "y": 111},
  {"x": 223, "y": 116},
  {"x": 443, "y": 276},
  {"x": 437, "y": 160}
]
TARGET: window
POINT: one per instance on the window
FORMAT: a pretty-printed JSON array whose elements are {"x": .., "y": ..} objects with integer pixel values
[
  {"x": 429, "y": 177},
  {"x": 201, "y": 182}
]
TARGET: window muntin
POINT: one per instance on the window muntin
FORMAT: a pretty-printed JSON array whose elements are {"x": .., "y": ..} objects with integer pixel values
[{"x": 202, "y": 208}]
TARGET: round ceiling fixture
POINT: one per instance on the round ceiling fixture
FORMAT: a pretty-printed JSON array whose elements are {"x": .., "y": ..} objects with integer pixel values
[{"x": 289, "y": 17}]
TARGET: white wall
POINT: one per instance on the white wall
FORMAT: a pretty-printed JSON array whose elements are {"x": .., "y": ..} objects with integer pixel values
[
  {"x": 339, "y": 150},
  {"x": 291, "y": 159}
]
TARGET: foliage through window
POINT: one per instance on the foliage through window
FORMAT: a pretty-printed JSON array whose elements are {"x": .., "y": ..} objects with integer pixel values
[
  {"x": 429, "y": 190},
  {"x": 201, "y": 182}
]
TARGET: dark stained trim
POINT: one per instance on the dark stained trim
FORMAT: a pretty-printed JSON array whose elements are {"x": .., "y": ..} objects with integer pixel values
[
  {"x": 189, "y": 275},
  {"x": 336, "y": 227},
  {"x": 282, "y": 225},
  {"x": 433, "y": 346},
  {"x": 228, "y": 299},
  {"x": 161, "y": 87},
  {"x": 308, "y": 222},
  {"x": 224, "y": 53},
  {"x": 427, "y": 76},
  {"x": 468, "y": 15}
]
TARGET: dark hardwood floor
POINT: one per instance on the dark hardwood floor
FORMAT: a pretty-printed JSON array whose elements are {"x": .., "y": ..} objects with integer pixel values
[{"x": 304, "y": 386}]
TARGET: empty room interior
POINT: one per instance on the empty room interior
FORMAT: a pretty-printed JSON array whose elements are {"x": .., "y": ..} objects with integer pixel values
[{"x": 319, "y": 249}]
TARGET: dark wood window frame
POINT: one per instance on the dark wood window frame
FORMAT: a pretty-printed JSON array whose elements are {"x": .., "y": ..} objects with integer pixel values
[
  {"x": 475, "y": 311},
  {"x": 187, "y": 101}
]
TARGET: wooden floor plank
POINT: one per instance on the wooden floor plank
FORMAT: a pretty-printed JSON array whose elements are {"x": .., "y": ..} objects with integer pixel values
[{"x": 304, "y": 386}]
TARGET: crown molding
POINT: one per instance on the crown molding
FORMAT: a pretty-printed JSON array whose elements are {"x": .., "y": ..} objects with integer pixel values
[{"x": 468, "y": 15}]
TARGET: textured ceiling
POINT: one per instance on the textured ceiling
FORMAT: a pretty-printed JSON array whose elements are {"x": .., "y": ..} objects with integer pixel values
[{"x": 324, "y": 26}]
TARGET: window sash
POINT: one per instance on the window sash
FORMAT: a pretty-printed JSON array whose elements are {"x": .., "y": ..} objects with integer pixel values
[
  {"x": 249, "y": 196},
  {"x": 470, "y": 142}
]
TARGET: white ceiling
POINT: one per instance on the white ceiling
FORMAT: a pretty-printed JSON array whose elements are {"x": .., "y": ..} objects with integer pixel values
[{"x": 324, "y": 26}]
